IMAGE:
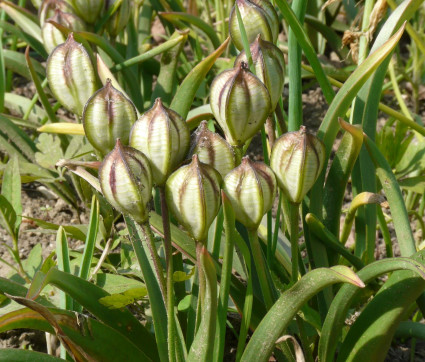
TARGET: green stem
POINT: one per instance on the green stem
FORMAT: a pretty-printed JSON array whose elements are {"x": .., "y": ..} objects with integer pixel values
[
  {"x": 171, "y": 330},
  {"x": 261, "y": 266},
  {"x": 294, "y": 216}
]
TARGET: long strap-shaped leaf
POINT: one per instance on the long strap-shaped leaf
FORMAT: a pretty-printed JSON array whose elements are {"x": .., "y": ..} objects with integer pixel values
[
  {"x": 98, "y": 340},
  {"x": 273, "y": 326},
  {"x": 337, "y": 314},
  {"x": 88, "y": 295}
]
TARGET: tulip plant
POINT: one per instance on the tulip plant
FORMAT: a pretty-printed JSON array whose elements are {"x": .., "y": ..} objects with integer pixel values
[{"x": 160, "y": 140}]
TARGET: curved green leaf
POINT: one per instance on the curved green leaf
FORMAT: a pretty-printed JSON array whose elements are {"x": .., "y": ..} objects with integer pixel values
[
  {"x": 186, "y": 92},
  {"x": 283, "y": 311},
  {"x": 196, "y": 21},
  {"x": 98, "y": 340},
  {"x": 88, "y": 295},
  {"x": 11, "y": 354},
  {"x": 338, "y": 310},
  {"x": 410, "y": 329},
  {"x": 20, "y": 105}
]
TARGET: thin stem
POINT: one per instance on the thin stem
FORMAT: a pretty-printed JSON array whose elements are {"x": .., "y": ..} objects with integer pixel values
[
  {"x": 147, "y": 234},
  {"x": 169, "y": 270},
  {"x": 261, "y": 267},
  {"x": 294, "y": 239}
]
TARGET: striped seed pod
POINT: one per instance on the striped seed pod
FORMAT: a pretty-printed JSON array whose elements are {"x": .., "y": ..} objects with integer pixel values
[
  {"x": 163, "y": 136},
  {"x": 88, "y": 10},
  {"x": 52, "y": 36},
  {"x": 259, "y": 17},
  {"x": 213, "y": 149},
  {"x": 193, "y": 195},
  {"x": 269, "y": 66},
  {"x": 240, "y": 103},
  {"x": 71, "y": 76},
  {"x": 126, "y": 181},
  {"x": 108, "y": 115},
  {"x": 48, "y": 8},
  {"x": 119, "y": 19},
  {"x": 297, "y": 158},
  {"x": 251, "y": 188}
]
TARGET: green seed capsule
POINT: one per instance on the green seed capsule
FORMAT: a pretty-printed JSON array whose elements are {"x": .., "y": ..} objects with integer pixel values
[
  {"x": 269, "y": 66},
  {"x": 88, "y": 10},
  {"x": 163, "y": 136},
  {"x": 193, "y": 195},
  {"x": 71, "y": 75},
  {"x": 213, "y": 149},
  {"x": 52, "y": 36},
  {"x": 297, "y": 158},
  {"x": 126, "y": 181},
  {"x": 240, "y": 103},
  {"x": 108, "y": 115},
  {"x": 49, "y": 7},
  {"x": 259, "y": 17},
  {"x": 251, "y": 188},
  {"x": 119, "y": 19}
]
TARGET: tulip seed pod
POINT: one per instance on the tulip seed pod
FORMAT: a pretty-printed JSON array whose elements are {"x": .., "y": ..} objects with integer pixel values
[
  {"x": 119, "y": 19},
  {"x": 108, "y": 115},
  {"x": 48, "y": 8},
  {"x": 297, "y": 158},
  {"x": 52, "y": 36},
  {"x": 163, "y": 136},
  {"x": 269, "y": 66},
  {"x": 240, "y": 103},
  {"x": 88, "y": 10},
  {"x": 251, "y": 188},
  {"x": 193, "y": 195},
  {"x": 213, "y": 150},
  {"x": 259, "y": 17},
  {"x": 126, "y": 181},
  {"x": 71, "y": 75}
]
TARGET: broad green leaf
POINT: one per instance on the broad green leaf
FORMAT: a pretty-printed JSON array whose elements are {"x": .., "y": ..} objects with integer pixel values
[
  {"x": 273, "y": 325},
  {"x": 410, "y": 329},
  {"x": 13, "y": 354},
  {"x": 335, "y": 319},
  {"x": 415, "y": 184},
  {"x": 11, "y": 188},
  {"x": 25, "y": 20},
  {"x": 7, "y": 216},
  {"x": 121, "y": 300},
  {"x": 34, "y": 261},
  {"x": 179, "y": 276},
  {"x": 63, "y": 261},
  {"x": 99, "y": 341},
  {"x": 88, "y": 295},
  {"x": 20, "y": 105},
  {"x": 114, "y": 284},
  {"x": 185, "y": 94},
  {"x": 50, "y": 150},
  {"x": 18, "y": 141},
  {"x": 16, "y": 62},
  {"x": 379, "y": 320}
]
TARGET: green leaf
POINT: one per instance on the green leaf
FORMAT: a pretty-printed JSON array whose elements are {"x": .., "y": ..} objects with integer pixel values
[
  {"x": 34, "y": 261},
  {"x": 121, "y": 300},
  {"x": 23, "y": 18},
  {"x": 179, "y": 276},
  {"x": 50, "y": 150},
  {"x": 11, "y": 189},
  {"x": 184, "y": 304},
  {"x": 20, "y": 105},
  {"x": 335, "y": 319},
  {"x": 415, "y": 184},
  {"x": 196, "y": 21},
  {"x": 88, "y": 295},
  {"x": 73, "y": 231},
  {"x": 283, "y": 311},
  {"x": 7, "y": 216},
  {"x": 16, "y": 62},
  {"x": 13, "y": 354},
  {"x": 97, "y": 340},
  {"x": 114, "y": 284},
  {"x": 185, "y": 94}
]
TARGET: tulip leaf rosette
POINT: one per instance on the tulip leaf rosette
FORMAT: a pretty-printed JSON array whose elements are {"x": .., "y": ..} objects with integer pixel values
[
  {"x": 213, "y": 149},
  {"x": 163, "y": 136},
  {"x": 259, "y": 17},
  {"x": 108, "y": 115},
  {"x": 251, "y": 188},
  {"x": 269, "y": 66},
  {"x": 297, "y": 158},
  {"x": 240, "y": 103},
  {"x": 126, "y": 181},
  {"x": 193, "y": 195},
  {"x": 71, "y": 76}
]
